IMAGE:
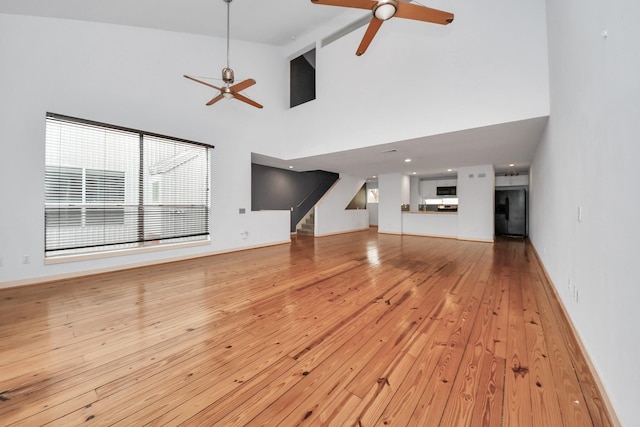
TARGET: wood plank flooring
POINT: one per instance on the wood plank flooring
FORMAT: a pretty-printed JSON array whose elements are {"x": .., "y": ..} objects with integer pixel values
[{"x": 360, "y": 329}]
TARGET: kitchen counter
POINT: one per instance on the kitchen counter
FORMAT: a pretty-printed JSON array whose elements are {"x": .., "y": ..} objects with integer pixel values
[
  {"x": 431, "y": 212},
  {"x": 436, "y": 224}
]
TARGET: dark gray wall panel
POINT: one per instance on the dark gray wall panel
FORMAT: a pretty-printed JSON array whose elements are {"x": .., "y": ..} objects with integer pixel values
[{"x": 280, "y": 189}]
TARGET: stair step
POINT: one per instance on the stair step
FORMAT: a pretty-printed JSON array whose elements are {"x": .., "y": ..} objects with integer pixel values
[{"x": 307, "y": 227}]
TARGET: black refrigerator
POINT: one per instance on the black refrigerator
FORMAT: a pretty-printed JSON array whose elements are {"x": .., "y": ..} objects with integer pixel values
[{"x": 511, "y": 212}]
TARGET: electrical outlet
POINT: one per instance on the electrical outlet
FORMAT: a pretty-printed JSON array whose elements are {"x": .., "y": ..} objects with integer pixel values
[{"x": 26, "y": 259}]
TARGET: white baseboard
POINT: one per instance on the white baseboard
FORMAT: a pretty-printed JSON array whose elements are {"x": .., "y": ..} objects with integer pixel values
[
  {"x": 590, "y": 365},
  {"x": 341, "y": 232},
  {"x": 51, "y": 278}
]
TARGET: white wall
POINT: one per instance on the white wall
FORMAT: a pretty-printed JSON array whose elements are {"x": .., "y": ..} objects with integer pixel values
[
  {"x": 390, "y": 199},
  {"x": 129, "y": 77},
  {"x": 331, "y": 217},
  {"x": 476, "y": 193},
  {"x": 488, "y": 67},
  {"x": 587, "y": 159},
  {"x": 414, "y": 193},
  {"x": 405, "y": 189}
]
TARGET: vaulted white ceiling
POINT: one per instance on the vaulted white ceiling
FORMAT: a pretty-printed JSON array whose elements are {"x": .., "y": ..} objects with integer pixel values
[
  {"x": 279, "y": 23},
  {"x": 272, "y": 22}
]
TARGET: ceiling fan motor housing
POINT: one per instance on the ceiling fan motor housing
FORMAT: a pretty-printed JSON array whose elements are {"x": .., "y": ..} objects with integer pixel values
[{"x": 227, "y": 75}]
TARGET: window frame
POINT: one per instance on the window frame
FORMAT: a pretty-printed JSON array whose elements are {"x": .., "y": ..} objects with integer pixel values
[{"x": 114, "y": 202}]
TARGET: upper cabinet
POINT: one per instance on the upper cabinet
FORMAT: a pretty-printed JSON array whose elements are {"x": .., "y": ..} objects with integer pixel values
[
  {"x": 510, "y": 181},
  {"x": 429, "y": 188}
]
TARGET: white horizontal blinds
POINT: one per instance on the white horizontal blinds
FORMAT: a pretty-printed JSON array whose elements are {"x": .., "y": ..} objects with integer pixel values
[
  {"x": 91, "y": 185},
  {"x": 63, "y": 196},
  {"x": 176, "y": 191},
  {"x": 108, "y": 188}
]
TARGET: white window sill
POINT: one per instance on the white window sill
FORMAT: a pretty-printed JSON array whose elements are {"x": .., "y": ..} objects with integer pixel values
[{"x": 122, "y": 252}]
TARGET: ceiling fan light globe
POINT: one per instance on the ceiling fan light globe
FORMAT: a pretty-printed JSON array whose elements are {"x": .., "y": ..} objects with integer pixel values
[
  {"x": 226, "y": 93},
  {"x": 385, "y": 9}
]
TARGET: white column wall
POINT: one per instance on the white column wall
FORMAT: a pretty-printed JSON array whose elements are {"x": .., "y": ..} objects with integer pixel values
[
  {"x": 414, "y": 193},
  {"x": 476, "y": 194},
  {"x": 390, "y": 199}
]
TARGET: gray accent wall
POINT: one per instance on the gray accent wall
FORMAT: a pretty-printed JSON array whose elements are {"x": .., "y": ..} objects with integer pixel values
[{"x": 281, "y": 189}]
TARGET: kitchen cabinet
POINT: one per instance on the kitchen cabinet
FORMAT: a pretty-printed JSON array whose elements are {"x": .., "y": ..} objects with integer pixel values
[
  {"x": 511, "y": 181},
  {"x": 428, "y": 188}
]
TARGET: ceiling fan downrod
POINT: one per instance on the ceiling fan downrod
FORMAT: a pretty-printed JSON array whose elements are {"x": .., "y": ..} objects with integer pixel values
[
  {"x": 229, "y": 90},
  {"x": 227, "y": 72}
]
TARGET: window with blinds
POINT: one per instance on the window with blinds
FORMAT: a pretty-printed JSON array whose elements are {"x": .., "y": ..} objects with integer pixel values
[{"x": 110, "y": 188}]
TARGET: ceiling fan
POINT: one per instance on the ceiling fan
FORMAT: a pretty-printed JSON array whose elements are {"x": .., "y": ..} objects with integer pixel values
[
  {"x": 383, "y": 10},
  {"x": 229, "y": 90}
]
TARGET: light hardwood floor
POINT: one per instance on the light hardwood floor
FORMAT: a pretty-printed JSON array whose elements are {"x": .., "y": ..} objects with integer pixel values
[{"x": 359, "y": 329}]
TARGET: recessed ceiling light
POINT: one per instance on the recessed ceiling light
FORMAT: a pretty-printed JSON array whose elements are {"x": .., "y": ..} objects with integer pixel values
[
  {"x": 449, "y": 170},
  {"x": 511, "y": 165},
  {"x": 407, "y": 160},
  {"x": 374, "y": 176},
  {"x": 414, "y": 173},
  {"x": 290, "y": 167}
]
